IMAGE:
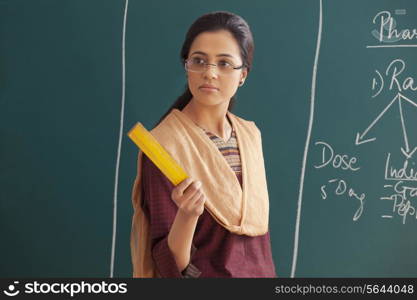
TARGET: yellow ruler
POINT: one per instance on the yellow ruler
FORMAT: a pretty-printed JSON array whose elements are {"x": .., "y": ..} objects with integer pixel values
[{"x": 157, "y": 154}]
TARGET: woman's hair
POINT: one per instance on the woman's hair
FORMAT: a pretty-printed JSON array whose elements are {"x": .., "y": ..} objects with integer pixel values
[{"x": 214, "y": 21}]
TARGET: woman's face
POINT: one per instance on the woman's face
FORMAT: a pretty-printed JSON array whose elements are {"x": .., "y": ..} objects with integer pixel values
[{"x": 219, "y": 47}]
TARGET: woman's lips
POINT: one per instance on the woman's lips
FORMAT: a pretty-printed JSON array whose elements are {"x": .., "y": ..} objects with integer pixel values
[
  {"x": 204, "y": 89},
  {"x": 208, "y": 88}
]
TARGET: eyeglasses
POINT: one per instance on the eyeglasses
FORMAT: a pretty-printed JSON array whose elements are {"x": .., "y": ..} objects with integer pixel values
[{"x": 199, "y": 65}]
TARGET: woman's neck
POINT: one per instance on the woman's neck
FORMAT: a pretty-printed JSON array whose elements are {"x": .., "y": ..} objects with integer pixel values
[{"x": 210, "y": 118}]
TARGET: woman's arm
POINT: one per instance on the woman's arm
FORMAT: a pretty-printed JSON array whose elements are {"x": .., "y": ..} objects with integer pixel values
[
  {"x": 190, "y": 199},
  {"x": 162, "y": 212},
  {"x": 180, "y": 238}
]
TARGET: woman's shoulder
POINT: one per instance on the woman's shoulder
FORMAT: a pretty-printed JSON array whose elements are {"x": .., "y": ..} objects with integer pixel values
[
  {"x": 166, "y": 129},
  {"x": 245, "y": 122}
]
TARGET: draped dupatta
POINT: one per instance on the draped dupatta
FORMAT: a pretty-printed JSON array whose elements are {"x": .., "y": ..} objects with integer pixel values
[{"x": 242, "y": 210}]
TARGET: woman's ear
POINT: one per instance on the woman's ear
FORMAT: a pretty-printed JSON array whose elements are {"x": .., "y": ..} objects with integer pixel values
[{"x": 243, "y": 76}]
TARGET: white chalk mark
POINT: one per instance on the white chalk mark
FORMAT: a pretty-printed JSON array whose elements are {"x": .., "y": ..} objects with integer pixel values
[
  {"x": 307, "y": 144},
  {"x": 399, "y": 97},
  {"x": 401, "y": 11},
  {"x": 387, "y": 165},
  {"x": 405, "y": 151},
  {"x": 400, "y": 179},
  {"x": 408, "y": 154},
  {"x": 375, "y": 83},
  {"x": 391, "y": 46},
  {"x": 359, "y": 140},
  {"x": 119, "y": 147},
  {"x": 387, "y": 217},
  {"x": 398, "y": 175},
  {"x": 407, "y": 147},
  {"x": 379, "y": 116},
  {"x": 408, "y": 100},
  {"x": 359, "y": 137}
]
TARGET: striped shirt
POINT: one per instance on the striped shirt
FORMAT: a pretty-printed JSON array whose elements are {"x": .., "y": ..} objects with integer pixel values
[{"x": 230, "y": 151}]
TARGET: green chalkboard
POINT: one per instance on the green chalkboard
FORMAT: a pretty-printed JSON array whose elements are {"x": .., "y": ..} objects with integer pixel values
[
  {"x": 333, "y": 89},
  {"x": 359, "y": 193}
]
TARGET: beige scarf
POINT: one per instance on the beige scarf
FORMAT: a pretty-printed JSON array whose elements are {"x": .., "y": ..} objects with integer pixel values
[{"x": 241, "y": 210}]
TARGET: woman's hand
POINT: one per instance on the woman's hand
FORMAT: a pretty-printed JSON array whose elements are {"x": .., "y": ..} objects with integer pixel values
[{"x": 189, "y": 197}]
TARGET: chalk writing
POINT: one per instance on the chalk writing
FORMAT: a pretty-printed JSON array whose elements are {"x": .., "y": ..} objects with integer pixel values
[
  {"x": 404, "y": 173},
  {"x": 402, "y": 200},
  {"x": 336, "y": 160},
  {"x": 340, "y": 188},
  {"x": 385, "y": 21},
  {"x": 394, "y": 77}
]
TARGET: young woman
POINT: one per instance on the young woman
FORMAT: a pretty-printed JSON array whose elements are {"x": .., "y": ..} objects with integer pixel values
[{"x": 214, "y": 223}]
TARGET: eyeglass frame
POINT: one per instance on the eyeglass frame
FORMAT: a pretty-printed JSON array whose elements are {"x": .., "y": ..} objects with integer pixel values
[{"x": 207, "y": 64}]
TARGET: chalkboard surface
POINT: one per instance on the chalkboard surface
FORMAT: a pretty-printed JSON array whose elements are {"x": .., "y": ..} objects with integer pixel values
[{"x": 333, "y": 90}]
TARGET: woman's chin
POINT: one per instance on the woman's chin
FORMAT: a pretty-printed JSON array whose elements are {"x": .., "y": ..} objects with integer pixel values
[{"x": 208, "y": 101}]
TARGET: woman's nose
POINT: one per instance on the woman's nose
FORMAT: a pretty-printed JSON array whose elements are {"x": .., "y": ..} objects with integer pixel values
[{"x": 210, "y": 71}]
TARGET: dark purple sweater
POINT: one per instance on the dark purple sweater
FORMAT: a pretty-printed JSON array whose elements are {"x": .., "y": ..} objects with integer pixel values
[{"x": 216, "y": 252}]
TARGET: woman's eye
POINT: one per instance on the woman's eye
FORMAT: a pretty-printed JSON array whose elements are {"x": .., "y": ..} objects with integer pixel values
[
  {"x": 197, "y": 61},
  {"x": 224, "y": 63}
]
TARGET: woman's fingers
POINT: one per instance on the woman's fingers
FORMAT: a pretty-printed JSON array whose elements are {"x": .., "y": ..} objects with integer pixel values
[
  {"x": 184, "y": 184},
  {"x": 200, "y": 200},
  {"x": 178, "y": 191},
  {"x": 195, "y": 204},
  {"x": 189, "y": 197},
  {"x": 192, "y": 189}
]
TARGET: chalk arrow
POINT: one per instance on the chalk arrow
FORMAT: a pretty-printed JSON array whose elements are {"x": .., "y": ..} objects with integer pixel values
[
  {"x": 407, "y": 99},
  {"x": 359, "y": 140},
  {"x": 360, "y": 136},
  {"x": 408, "y": 154},
  {"x": 405, "y": 151}
]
